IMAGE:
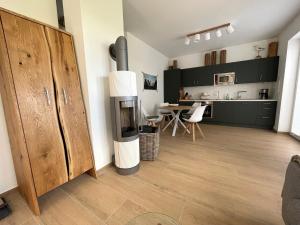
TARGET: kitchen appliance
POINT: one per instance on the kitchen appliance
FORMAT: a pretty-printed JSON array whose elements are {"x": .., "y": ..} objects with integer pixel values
[
  {"x": 208, "y": 113},
  {"x": 204, "y": 95},
  {"x": 224, "y": 78},
  {"x": 124, "y": 111},
  {"x": 264, "y": 93}
]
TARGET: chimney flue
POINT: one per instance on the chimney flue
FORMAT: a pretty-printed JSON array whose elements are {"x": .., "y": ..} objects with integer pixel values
[{"x": 118, "y": 52}]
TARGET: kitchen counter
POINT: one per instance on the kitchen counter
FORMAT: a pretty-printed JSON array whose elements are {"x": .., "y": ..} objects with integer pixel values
[{"x": 230, "y": 100}]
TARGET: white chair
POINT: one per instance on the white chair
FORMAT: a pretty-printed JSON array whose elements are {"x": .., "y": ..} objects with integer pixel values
[
  {"x": 195, "y": 118},
  {"x": 191, "y": 111},
  {"x": 151, "y": 120}
]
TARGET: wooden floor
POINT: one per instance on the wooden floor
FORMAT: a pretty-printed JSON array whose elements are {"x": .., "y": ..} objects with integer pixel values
[{"x": 234, "y": 176}]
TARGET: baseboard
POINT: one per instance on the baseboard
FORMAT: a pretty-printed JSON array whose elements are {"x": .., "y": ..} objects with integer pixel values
[
  {"x": 104, "y": 167},
  {"x": 295, "y": 136},
  {"x": 7, "y": 192}
]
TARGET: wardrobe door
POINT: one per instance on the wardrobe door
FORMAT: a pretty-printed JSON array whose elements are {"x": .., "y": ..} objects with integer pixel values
[
  {"x": 70, "y": 102},
  {"x": 31, "y": 69}
]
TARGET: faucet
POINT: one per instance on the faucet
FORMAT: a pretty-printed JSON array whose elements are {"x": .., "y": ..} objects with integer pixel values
[{"x": 239, "y": 96}]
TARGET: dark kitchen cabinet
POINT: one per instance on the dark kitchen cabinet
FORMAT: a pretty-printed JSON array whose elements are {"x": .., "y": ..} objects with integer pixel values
[
  {"x": 268, "y": 69},
  {"x": 223, "y": 68},
  {"x": 235, "y": 112},
  {"x": 172, "y": 84},
  {"x": 222, "y": 111},
  {"x": 259, "y": 114},
  {"x": 265, "y": 116},
  {"x": 249, "y": 71},
  {"x": 244, "y": 112},
  {"x": 246, "y": 72},
  {"x": 198, "y": 76},
  {"x": 256, "y": 70}
]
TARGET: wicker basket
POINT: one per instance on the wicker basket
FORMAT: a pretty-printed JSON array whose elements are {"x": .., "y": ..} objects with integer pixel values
[{"x": 149, "y": 143}]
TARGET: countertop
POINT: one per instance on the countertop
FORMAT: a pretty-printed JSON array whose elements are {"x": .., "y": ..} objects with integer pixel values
[{"x": 230, "y": 100}]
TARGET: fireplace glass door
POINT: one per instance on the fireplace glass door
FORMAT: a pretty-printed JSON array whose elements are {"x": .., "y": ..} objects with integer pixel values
[{"x": 128, "y": 118}]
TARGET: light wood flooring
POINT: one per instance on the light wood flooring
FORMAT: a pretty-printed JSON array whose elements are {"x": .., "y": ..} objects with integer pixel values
[{"x": 233, "y": 176}]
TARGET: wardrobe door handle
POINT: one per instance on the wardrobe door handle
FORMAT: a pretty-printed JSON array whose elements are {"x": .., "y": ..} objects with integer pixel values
[
  {"x": 65, "y": 96},
  {"x": 260, "y": 78},
  {"x": 47, "y": 96}
]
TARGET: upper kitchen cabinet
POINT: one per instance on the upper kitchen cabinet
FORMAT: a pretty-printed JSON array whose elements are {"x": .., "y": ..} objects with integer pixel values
[
  {"x": 268, "y": 69},
  {"x": 172, "y": 84},
  {"x": 249, "y": 71},
  {"x": 257, "y": 70},
  {"x": 246, "y": 72},
  {"x": 198, "y": 76}
]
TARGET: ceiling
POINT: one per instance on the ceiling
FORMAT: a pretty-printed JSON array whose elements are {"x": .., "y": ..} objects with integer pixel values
[{"x": 163, "y": 23}]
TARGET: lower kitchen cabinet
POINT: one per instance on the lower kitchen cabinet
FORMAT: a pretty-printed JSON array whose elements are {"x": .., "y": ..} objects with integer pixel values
[
  {"x": 260, "y": 114},
  {"x": 235, "y": 112}
]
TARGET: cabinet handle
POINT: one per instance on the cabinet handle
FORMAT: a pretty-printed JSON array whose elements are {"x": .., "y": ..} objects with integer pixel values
[
  {"x": 267, "y": 108},
  {"x": 260, "y": 78},
  {"x": 266, "y": 117},
  {"x": 65, "y": 96},
  {"x": 47, "y": 96},
  {"x": 267, "y": 103}
]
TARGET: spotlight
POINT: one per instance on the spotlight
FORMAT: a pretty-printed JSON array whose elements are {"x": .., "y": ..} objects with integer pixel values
[
  {"x": 197, "y": 38},
  {"x": 219, "y": 33},
  {"x": 187, "y": 41},
  {"x": 207, "y": 36},
  {"x": 230, "y": 29}
]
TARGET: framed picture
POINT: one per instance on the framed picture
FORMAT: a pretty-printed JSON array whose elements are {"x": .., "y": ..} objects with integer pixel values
[{"x": 150, "y": 82}]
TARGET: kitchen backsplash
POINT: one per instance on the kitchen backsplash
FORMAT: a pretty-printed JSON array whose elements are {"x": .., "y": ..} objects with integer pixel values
[{"x": 252, "y": 90}]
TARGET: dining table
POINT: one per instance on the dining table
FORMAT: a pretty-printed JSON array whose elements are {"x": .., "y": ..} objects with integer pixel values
[{"x": 175, "y": 111}]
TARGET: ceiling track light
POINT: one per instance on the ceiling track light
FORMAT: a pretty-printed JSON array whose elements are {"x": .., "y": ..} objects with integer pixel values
[
  {"x": 197, "y": 38},
  {"x": 230, "y": 29},
  {"x": 187, "y": 41},
  {"x": 207, "y": 36},
  {"x": 219, "y": 33}
]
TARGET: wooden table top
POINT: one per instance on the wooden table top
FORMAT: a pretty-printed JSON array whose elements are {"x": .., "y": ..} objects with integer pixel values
[{"x": 180, "y": 107}]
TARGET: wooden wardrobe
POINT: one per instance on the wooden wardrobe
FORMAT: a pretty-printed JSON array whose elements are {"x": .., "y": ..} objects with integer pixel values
[{"x": 43, "y": 105}]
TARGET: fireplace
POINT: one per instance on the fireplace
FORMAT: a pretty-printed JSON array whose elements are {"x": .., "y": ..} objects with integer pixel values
[{"x": 125, "y": 113}]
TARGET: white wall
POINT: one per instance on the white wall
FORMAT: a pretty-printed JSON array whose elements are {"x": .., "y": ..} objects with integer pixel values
[
  {"x": 144, "y": 58},
  {"x": 44, "y": 11},
  {"x": 96, "y": 24},
  {"x": 234, "y": 53},
  {"x": 287, "y": 75}
]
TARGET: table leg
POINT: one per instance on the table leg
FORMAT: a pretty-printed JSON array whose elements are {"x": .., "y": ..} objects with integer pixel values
[
  {"x": 176, "y": 123},
  {"x": 173, "y": 118}
]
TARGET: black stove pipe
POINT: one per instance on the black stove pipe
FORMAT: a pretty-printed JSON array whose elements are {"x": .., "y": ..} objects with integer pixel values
[{"x": 118, "y": 52}]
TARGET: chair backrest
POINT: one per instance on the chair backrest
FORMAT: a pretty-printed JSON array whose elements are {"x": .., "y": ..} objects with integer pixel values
[
  {"x": 144, "y": 112},
  {"x": 194, "y": 106},
  {"x": 198, "y": 114},
  {"x": 163, "y": 111}
]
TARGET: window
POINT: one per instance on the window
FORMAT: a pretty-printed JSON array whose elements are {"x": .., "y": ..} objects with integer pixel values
[{"x": 295, "y": 128}]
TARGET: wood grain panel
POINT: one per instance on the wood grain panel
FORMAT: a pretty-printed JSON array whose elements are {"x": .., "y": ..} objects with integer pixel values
[
  {"x": 70, "y": 102},
  {"x": 31, "y": 69},
  {"x": 15, "y": 129}
]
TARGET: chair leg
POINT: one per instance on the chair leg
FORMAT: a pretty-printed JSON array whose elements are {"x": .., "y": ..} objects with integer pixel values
[
  {"x": 187, "y": 128},
  {"x": 194, "y": 135},
  {"x": 200, "y": 130},
  {"x": 163, "y": 121}
]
